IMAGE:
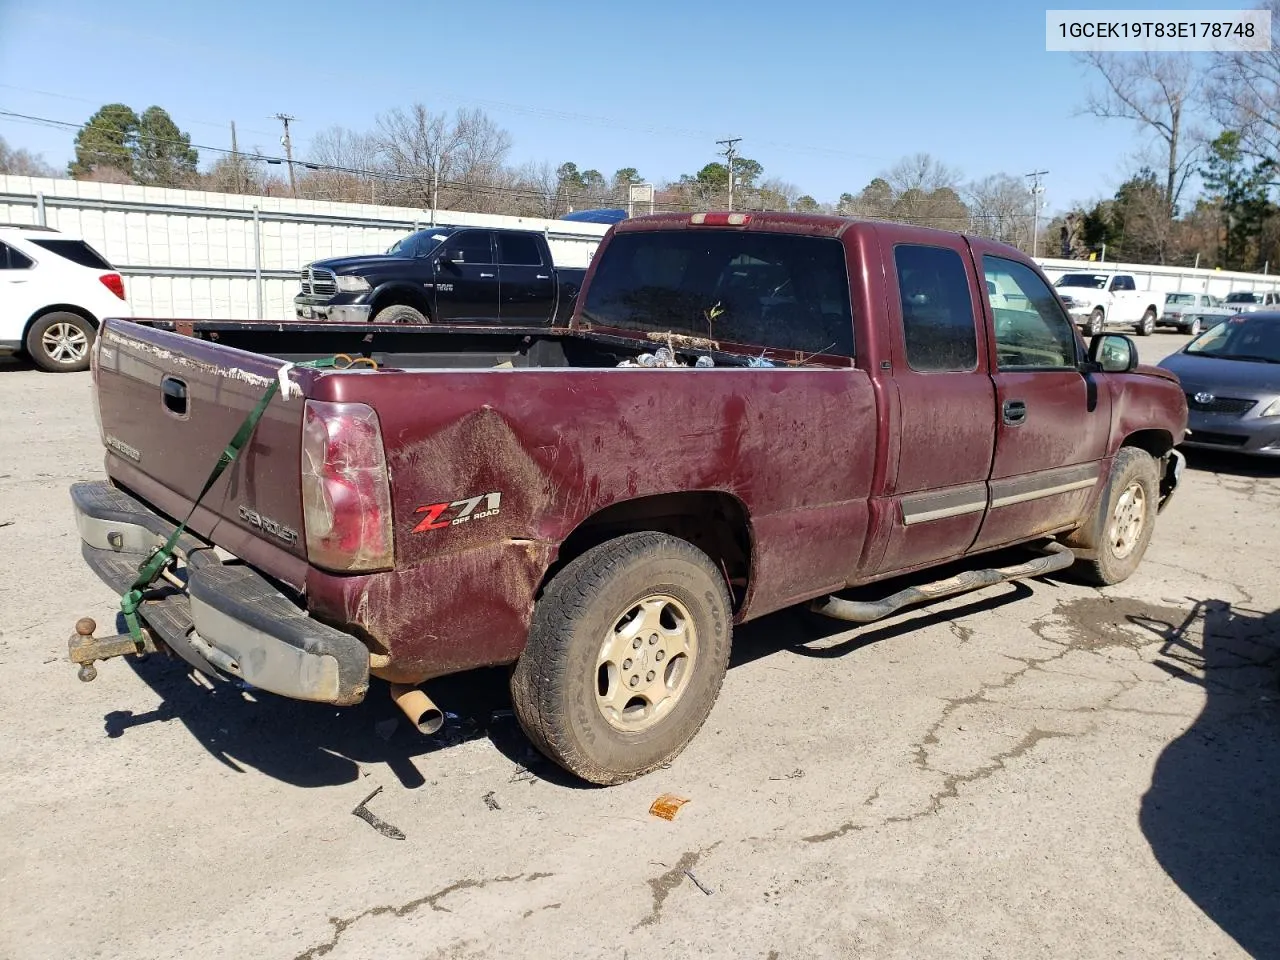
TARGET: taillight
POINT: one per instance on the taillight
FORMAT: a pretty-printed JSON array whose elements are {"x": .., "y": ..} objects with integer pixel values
[
  {"x": 114, "y": 283},
  {"x": 346, "y": 494}
]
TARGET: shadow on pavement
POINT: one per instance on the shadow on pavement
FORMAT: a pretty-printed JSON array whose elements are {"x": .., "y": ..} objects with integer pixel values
[
  {"x": 1212, "y": 813},
  {"x": 1236, "y": 464},
  {"x": 314, "y": 745}
]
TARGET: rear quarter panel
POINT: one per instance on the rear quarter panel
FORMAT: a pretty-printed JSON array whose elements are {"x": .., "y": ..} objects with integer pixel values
[{"x": 795, "y": 447}]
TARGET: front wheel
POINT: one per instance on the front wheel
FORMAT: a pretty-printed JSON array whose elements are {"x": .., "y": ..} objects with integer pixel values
[
  {"x": 400, "y": 313},
  {"x": 1118, "y": 534},
  {"x": 626, "y": 653},
  {"x": 1097, "y": 322},
  {"x": 1147, "y": 325},
  {"x": 60, "y": 342}
]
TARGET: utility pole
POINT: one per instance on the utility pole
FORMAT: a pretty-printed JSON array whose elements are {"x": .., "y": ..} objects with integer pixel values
[
  {"x": 1036, "y": 192},
  {"x": 235, "y": 157},
  {"x": 285, "y": 119},
  {"x": 729, "y": 153}
]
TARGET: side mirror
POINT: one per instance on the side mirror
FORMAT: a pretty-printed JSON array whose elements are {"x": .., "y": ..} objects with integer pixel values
[{"x": 1113, "y": 353}]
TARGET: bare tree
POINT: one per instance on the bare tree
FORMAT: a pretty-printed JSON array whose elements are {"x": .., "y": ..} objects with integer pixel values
[
  {"x": 1001, "y": 207},
  {"x": 1158, "y": 91},
  {"x": 540, "y": 183},
  {"x": 23, "y": 163},
  {"x": 343, "y": 165},
  {"x": 419, "y": 146},
  {"x": 480, "y": 148},
  {"x": 1244, "y": 93},
  {"x": 921, "y": 172}
]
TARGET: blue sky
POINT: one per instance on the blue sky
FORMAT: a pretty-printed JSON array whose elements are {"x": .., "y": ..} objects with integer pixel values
[{"x": 825, "y": 94}]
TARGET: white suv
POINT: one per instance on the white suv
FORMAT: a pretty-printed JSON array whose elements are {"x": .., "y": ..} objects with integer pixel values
[{"x": 55, "y": 290}]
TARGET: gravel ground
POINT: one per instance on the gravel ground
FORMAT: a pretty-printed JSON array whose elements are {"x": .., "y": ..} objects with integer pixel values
[{"x": 1036, "y": 770}]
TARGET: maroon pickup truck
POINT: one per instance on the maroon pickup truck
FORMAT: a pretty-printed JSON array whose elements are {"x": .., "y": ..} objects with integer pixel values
[{"x": 747, "y": 412}]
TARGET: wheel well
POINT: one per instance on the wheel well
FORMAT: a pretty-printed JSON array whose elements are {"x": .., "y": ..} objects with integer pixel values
[
  {"x": 1155, "y": 442},
  {"x": 59, "y": 308},
  {"x": 399, "y": 296},
  {"x": 716, "y": 523}
]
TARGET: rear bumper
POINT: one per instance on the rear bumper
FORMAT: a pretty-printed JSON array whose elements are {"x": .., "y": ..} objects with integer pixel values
[{"x": 229, "y": 621}]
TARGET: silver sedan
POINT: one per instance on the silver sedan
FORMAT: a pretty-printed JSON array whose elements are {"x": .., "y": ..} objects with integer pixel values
[{"x": 1231, "y": 376}]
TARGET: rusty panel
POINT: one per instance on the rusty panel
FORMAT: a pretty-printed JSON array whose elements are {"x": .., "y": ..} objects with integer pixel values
[{"x": 795, "y": 447}]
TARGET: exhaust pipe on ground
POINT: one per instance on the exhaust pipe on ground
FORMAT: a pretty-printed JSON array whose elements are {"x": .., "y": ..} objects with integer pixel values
[{"x": 418, "y": 707}]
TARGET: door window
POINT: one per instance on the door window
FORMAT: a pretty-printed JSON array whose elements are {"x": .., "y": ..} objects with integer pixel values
[
  {"x": 473, "y": 246},
  {"x": 1032, "y": 332},
  {"x": 937, "y": 309},
  {"x": 518, "y": 249}
]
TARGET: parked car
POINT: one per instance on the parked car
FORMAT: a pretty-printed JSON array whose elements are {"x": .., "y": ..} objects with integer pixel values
[
  {"x": 1231, "y": 376},
  {"x": 1098, "y": 300},
  {"x": 609, "y": 215},
  {"x": 55, "y": 291},
  {"x": 444, "y": 275},
  {"x": 1246, "y": 301},
  {"x": 1192, "y": 312},
  {"x": 600, "y": 516}
]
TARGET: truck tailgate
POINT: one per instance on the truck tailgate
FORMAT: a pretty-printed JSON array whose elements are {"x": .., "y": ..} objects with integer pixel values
[{"x": 169, "y": 405}]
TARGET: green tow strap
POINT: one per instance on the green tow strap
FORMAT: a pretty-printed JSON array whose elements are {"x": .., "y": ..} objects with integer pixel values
[{"x": 151, "y": 567}]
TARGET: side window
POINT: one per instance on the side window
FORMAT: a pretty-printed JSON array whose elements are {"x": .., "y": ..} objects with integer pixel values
[
  {"x": 937, "y": 312},
  {"x": 471, "y": 246},
  {"x": 518, "y": 249},
  {"x": 1032, "y": 332},
  {"x": 11, "y": 259}
]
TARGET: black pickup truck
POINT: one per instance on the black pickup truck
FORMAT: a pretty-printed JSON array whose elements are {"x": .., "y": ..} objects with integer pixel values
[{"x": 444, "y": 275}]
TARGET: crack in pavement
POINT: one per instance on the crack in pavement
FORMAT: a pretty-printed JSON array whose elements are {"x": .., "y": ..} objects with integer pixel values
[
  {"x": 341, "y": 925},
  {"x": 1081, "y": 639},
  {"x": 663, "y": 884}
]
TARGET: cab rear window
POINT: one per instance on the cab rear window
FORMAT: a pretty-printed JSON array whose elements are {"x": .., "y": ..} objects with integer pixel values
[
  {"x": 769, "y": 290},
  {"x": 77, "y": 251}
]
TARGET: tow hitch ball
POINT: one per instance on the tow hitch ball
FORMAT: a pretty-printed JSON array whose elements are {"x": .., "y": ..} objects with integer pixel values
[{"x": 84, "y": 648}]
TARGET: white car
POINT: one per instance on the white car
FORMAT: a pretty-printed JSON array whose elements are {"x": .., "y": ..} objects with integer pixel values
[
  {"x": 1096, "y": 300},
  {"x": 55, "y": 290},
  {"x": 1244, "y": 301}
]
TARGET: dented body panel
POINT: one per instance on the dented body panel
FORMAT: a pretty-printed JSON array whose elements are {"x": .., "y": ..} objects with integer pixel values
[{"x": 816, "y": 473}]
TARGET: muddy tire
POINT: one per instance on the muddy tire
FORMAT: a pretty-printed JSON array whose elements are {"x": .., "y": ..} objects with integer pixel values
[
  {"x": 400, "y": 313},
  {"x": 60, "y": 342},
  {"x": 1116, "y": 537},
  {"x": 1097, "y": 322},
  {"x": 627, "y": 650}
]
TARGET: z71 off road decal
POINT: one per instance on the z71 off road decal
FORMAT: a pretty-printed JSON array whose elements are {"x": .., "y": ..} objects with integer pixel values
[{"x": 441, "y": 515}]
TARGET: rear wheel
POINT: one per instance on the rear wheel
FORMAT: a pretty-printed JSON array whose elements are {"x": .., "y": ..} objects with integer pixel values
[
  {"x": 1121, "y": 526},
  {"x": 1097, "y": 321},
  {"x": 1193, "y": 328},
  {"x": 1147, "y": 325},
  {"x": 400, "y": 313},
  {"x": 627, "y": 650},
  {"x": 60, "y": 342}
]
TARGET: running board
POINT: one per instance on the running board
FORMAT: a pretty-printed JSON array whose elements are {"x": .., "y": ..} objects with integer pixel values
[{"x": 1056, "y": 557}]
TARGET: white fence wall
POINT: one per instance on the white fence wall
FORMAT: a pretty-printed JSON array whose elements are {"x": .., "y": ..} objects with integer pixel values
[
  {"x": 1168, "y": 279},
  {"x": 194, "y": 255}
]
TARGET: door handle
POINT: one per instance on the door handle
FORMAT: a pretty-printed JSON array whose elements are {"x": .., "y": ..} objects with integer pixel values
[
  {"x": 542, "y": 276},
  {"x": 486, "y": 276},
  {"x": 1014, "y": 412}
]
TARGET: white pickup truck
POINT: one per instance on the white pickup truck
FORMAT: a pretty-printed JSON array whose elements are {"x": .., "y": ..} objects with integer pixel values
[{"x": 1098, "y": 300}]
